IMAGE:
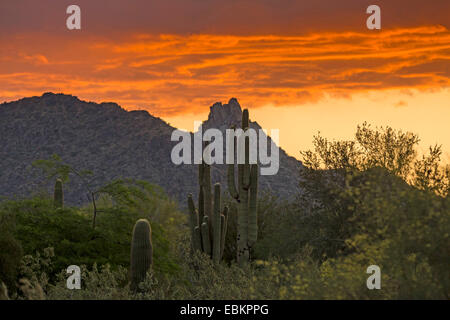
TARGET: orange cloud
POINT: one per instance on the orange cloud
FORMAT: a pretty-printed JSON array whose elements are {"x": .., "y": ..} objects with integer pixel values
[{"x": 173, "y": 74}]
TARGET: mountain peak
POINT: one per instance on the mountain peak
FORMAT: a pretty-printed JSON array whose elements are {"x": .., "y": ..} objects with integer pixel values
[
  {"x": 55, "y": 97},
  {"x": 229, "y": 113}
]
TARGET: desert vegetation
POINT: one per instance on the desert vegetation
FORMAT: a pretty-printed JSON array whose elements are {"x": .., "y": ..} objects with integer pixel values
[{"x": 369, "y": 201}]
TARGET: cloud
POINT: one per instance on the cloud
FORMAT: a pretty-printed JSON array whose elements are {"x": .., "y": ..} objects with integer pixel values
[
  {"x": 112, "y": 18},
  {"x": 36, "y": 59},
  {"x": 401, "y": 104},
  {"x": 171, "y": 74}
]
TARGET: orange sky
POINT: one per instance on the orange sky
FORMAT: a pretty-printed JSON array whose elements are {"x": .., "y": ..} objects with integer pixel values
[{"x": 330, "y": 77}]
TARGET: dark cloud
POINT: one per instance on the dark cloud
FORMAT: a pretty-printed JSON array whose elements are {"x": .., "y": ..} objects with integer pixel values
[{"x": 115, "y": 18}]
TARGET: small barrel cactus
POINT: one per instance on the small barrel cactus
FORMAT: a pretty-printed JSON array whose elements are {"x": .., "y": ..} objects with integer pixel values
[
  {"x": 141, "y": 253},
  {"x": 58, "y": 196}
]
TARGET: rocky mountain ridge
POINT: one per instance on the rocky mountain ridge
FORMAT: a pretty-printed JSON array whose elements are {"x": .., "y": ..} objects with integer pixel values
[{"x": 112, "y": 143}]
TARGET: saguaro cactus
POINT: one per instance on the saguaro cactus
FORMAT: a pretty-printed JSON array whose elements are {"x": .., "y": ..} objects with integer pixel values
[
  {"x": 246, "y": 195},
  {"x": 208, "y": 226},
  {"x": 141, "y": 253},
  {"x": 58, "y": 196}
]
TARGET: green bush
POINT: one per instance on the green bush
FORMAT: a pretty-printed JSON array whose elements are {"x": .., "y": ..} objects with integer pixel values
[
  {"x": 10, "y": 253},
  {"x": 198, "y": 279},
  {"x": 69, "y": 231},
  {"x": 363, "y": 202}
]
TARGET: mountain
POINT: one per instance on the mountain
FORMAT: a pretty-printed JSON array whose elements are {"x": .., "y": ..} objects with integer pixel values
[{"x": 112, "y": 143}]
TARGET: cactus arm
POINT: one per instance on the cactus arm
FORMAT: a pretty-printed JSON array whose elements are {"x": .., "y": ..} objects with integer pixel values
[
  {"x": 197, "y": 238},
  {"x": 242, "y": 236},
  {"x": 231, "y": 182},
  {"x": 230, "y": 173},
  {"x": 207, "y": 192},
  {"x": 223, "y": 233},
  {"x": 58, "y": 197},
  {"x": 246, "y": 173},
  {"x": 200, "y": 174},
  {"x": 201, "y": 205},
  {"x": 216, "y": 225},
  {"x": 205, "y": 236},
  {"x": 192, "y": 211},
  {"x": 245, "y": 119},
  {"x": 194, "y": 222},
  {"x": 240, "y": 177},
  {"x": 253, "y": 210}
]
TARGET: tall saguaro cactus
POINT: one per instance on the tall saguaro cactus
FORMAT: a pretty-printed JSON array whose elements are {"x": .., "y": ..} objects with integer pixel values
[
  {"x": 141, "y": 253},
  {"x": 58, "y": 196},
  {"x": 246, "y": 195},
  {"x": 208, "y": 225}
]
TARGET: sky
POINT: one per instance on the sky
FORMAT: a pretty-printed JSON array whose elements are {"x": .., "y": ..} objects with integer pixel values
[{"x": 299, "y": 66}]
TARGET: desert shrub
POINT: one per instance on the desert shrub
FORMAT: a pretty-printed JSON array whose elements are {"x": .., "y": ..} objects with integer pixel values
[
  {"x": 344, "y": 181},
  {"x": 270, "y": 209},
  {"x": 201, "y": 279},
  {"x": 363, "y": 202},
  {"x": 130, "y": 200},
  {"x": 69, "y": 231},
  {"x": 39, "y": 225},
  {"x": 36, "y": 268},
  {"x": 287, "y": 280},
  {"x": 198, "y": 278},
  {"x": 97, "y": 283},
  {"x": 277, "y": 229},
  {"x": 11, "y": 251},
  {"x": 370, "y": 201}
]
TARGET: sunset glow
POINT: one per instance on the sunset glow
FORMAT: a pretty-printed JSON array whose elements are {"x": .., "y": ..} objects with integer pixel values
[{"x": 298, "y": 82}]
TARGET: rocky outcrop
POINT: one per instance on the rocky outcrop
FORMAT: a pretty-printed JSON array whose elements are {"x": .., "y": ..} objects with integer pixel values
[
  {"x": 221, "y": 115},
  {"x": 285, "y": 182}
]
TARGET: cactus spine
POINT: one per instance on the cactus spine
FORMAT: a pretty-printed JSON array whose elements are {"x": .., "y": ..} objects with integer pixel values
[
  {"x": 208, "y": 226},
  {"x": 246, "y": 195},
  {"x": 58, "y": 196},
  {"x": 141, "y": 253}
]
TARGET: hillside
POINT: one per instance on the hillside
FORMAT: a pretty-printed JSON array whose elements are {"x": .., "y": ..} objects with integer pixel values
[{"x": 109, "y": 141}]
